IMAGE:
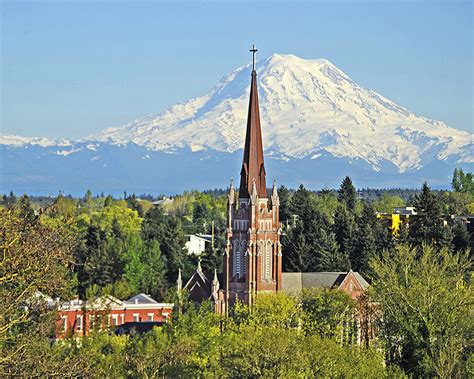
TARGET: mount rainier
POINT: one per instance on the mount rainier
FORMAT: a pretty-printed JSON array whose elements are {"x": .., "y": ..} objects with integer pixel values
[{"x": 318, "y": 125}]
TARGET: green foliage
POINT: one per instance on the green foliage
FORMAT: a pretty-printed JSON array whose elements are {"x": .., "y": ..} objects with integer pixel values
[
  {"x": 426, "y": 299},
  {"x": 324, "y": 311},
  {"x": 347, "y": 194},
  {"x": 35, "y": 264},
  {"x": 428, "y": 226},
  {"x": 463, "y": 182},
  {"x": 310, "y": 243},
  {"x": 387, "y": 203}
]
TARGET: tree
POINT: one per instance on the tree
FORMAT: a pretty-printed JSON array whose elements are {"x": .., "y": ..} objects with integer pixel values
[
  {"x": 365, "y": 246},
  {"x": 10, "y": 200},
  {"x": 325, "y": 311},
  {"x": 153, "y": 280},
  {"x": 387, "y": 203},
  {"x": 345, "y": 230},
  {"x": 168, "y": 232},
  {"x": 285, "y": 199},
  {"x": 426, "y": 300},
  {"x": 35, "y": 265},
  {"x": 109, "y": 200},
  {"x": 428, "y": 225},
  {"x": 347, "y": 194},
  {"x": 463, "y": 182},
  {"x": 296, "y": 250},
  {"x": 461, "y": 237}
]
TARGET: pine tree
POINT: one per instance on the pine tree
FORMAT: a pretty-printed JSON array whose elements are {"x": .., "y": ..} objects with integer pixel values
[
  {"x": 301, "y": 202},
  {"x": 328, "y": 256},
  {"x": 296, "y": 250},
  {"x": 345, "y": 230},
  {"x": 428, "y": 225},
  {"x": 168, "y": 232},
  {"x": 365, "y": 246},
  {"x": 461, "y": 237},
  {"x": 153, "y": 280},
  {"x": 285, "y": 199},
  {"x": 347, "y": 194}
]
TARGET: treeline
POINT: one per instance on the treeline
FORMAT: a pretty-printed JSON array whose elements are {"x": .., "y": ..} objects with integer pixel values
[
  {"x": 124, "y": 246},
  {"x": 338, "y": 232},
  {"x": 424, "y": 295}
]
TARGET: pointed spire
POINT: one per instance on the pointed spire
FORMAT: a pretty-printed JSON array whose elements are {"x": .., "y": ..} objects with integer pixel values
[
  {"x": 231, "y": 198},
  {"x": 179, "y": 282},
  {"x": 275, "y": 197},
  {"x": 215, "y": 286},
  {"x": 253, "y": 163},
  {"x": 274, "y": 189},
  {"x": 199, "y": 268}
]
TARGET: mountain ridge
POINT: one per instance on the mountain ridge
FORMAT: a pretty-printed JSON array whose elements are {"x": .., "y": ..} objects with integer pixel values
[{"x": 310, "y": 110}]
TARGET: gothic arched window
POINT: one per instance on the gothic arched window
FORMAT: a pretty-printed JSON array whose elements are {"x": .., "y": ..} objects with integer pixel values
[
  {"x": 243, "y": 258},
  {"x": 267, "y": 261},
  {"x": 236, "y": 259}
]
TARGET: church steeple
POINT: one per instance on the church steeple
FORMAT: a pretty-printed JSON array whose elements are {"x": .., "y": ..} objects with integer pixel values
[{"x": 253, "y": 165}]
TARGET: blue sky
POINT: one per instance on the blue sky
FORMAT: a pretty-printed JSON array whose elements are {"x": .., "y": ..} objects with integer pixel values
[{"x": 70, "y": 69}]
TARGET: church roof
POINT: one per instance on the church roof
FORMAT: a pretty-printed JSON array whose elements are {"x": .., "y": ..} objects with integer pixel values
[
  {"x": 199, "y": 285},
  {"x": 296, "y": 281},
  {"x": 253, "y": 164}
]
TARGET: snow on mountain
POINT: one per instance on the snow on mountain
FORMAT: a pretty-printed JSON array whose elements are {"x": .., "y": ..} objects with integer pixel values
[
  {"x": 308, "y": 108},
  {"x": 18, "y": 141}
]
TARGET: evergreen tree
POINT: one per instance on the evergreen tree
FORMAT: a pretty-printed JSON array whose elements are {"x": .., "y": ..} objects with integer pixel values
[
  {"x": 296, "y": 250},
  {"x": 301, "y": 202},
  {"x": 109, "y": 200},
  {"x": 347, "y": 194},
  {"x": 365, "y": 246},
  {"x": 285, "y": 198},
  {"x": 96, "y": 266},
  {"x": 328, "y": 257},
  {"x": 10, "y": 200},
  {"x": 133, "y": 203},
  {"x": 167, "y": 231},
  {"x": 345, "y": 230},
  {"x": 428, "y": 225},
  {"x": 461, "y": 237},
  {"x": 153, "y": 280}
]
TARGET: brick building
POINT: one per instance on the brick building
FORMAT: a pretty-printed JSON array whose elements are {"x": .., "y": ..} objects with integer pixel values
[{"x": 78, "y": 318}]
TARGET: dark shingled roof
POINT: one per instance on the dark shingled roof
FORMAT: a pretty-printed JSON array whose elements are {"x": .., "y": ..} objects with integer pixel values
[{"x": 296, "y": 281}]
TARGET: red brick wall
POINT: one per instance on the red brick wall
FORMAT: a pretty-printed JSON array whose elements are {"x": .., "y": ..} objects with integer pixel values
[{"x": 103, "y": 319}]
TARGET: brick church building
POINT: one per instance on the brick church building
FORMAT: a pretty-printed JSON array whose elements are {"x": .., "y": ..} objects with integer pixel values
[{"x": 253, "y": 253}]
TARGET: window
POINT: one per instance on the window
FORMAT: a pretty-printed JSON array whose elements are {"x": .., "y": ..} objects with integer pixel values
[
  {"x": 115, "y": 320},
  {"x": 150, "y": 316},
  {"x": 351, "y": 287},
  {"x": 243, "y": 258},
  {"x": 91, "y": 322},
  {"x": 267, "y": 261},
  {"x": 236, "y": 259},
  {"x": 136, "y": 317},
  {"x": 64, "y": 323},
  {"x": 79, "y": 323}
]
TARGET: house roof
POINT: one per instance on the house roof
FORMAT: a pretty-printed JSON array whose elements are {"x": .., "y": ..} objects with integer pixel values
[{"x": 141, "y": 298}]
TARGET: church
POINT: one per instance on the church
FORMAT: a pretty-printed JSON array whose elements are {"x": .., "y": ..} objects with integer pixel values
[{"x": 253, "y": 253}]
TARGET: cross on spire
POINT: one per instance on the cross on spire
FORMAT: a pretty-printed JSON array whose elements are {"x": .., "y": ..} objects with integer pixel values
[{"x": 253, "y": 50}]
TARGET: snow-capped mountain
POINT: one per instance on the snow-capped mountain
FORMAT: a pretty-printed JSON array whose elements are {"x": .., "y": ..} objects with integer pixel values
[
  {"x": 317, "y": 125},
  {"x": 307, "y": 106}
]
